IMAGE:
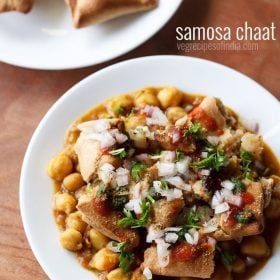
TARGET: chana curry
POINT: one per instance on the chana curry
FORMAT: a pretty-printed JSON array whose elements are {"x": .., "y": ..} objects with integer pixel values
[{"x": 165, "y": 185}]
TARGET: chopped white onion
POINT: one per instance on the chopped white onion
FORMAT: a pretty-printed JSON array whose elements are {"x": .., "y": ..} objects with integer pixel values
[
  {"x": 134, "y": 205},
  {"x": 192, "y": 236},
  {"x": 147, "y": 273},
  {"x": 227, "y": 184},
  {"x": 121, "y": 138},
  {"x": 231, "y": 198},
  {"x": 106, "y": 173},
  {"x": 213, "y": 140},
  {"x": 216, "y": 199},
  {"x": 181, "y": 121},
  {"x": 210, "y": 226},
  {"x": 136, "y": 191},
  {"x": 166, "y": 169},
  {"x": 167, "y": 156},
  {"x": 250, "y": 261},
  {"x": 122, "y": 177},
  {"x": 221, "y": 208},
  {"x": 143, "y": 157},
  {"x": 105, "y": 138},
  {"x": 157, "y": 117},
  {"x": 153, "y": 234},
  {"x": 162, "y": 252},
  {"x": 176, "y": 136},
  {"x": 182, "y": 166},
  {"x": 172, "y": 229},
  {"x": 171, "y": 237},
  {"x": 179, "y": 183},
  {"x": 170, "y": 194},
  {"x": 205, "y": 172},
  {"x": 211, "y": 241},
  {"x": 113, "y": 248},
  {"x": 204, "y": 154}
]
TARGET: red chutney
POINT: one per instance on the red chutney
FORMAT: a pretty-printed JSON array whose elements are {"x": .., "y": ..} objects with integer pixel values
[
  {"x": 199, "y": 115},
  {"x": 234, "y": 210},
  {"x": 183, "y": 252},
  {"x": 247, "y": 198},
  {"x": 100, "y": 205}
]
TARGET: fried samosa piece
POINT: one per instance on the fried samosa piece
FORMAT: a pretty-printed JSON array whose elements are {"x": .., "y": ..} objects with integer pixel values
[
  {"x": 87, "y": 12},
  {"x": 23, "y": 6}
]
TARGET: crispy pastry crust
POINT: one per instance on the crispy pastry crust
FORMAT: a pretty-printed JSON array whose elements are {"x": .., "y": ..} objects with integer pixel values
[
  {"x": 23, "y": 6},
  {"x": 87, "y": 12},
  {"x": 202, "y": 266}
]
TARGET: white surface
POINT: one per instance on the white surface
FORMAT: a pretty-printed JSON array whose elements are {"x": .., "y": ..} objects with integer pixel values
[
  {"x": 45, "y": 38},
  {"x": 193, "y": 75}
]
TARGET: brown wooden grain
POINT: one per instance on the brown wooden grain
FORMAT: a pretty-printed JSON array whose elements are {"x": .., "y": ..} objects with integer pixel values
[{"x": 26, "y": 95}]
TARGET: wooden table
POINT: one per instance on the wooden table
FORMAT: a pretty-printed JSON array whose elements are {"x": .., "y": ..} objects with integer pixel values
[{"x": 26, "y": 95}]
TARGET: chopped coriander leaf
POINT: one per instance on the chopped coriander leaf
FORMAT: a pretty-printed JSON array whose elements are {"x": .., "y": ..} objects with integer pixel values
[
  {"x": 132, "y": 112},
  {"x": 194, "y": 130},
  {"x": 125, "y": 258},
  {"x": 164, "y": 186},
  {"x": 154, "y": 194},
  {"x": 101, "y": 190},
  {"x": 140, "y": 130},
  {"x": 120, "y": 153},
  {"x": 118, "y": 201},
  {"x": 179, "y": 155},
  {"x": 192, "y": 221},
  {"x": 245, "y": 217},
  {"x": 136, "y": 169},
  {"x": 120, "y": 110},
  {"x": 228, "y": 257},
  {"x": 130, "y": 221},
  {"x": 214, "y": 161},
  {"x": 246, "y": 160},
  {"x": 238, "y": 186}
]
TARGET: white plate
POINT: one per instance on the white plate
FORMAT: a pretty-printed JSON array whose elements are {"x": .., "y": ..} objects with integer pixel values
[
  {"x": 45, "y": 38},
  {"x": 194, "y": 75}
]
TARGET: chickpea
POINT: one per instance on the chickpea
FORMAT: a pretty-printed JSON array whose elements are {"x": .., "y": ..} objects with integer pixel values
[
  {"x": 255, "y": 246},
  {"x": 273, "y": 209},
  {"x": 117, "y": 274},
  {"x": 73, "y": 182},
  {"x": 97, "y": 239},
  {"x": 65, "y": 202},
  {"x": 71, "y": 240},
  {"x": 169, "y": 96},
  {"x": 238, "y": 266},
  {"x": 60, "y": 166},
  {"x": 124, "y": 101},
  {"x": 134, "y": 121},
  {"x": 104, "y": 260},
  {"x": 70, "y": 152},
  {"x": 175, "y": 113},
  {"x": 138, "y": 275},
  {"x": 75, "y": 221},
  {"x": 146, "y": 97}
]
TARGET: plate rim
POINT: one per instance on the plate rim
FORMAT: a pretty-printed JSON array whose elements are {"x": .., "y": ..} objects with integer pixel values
[
  {"x": 93, "y": 62},
  {"x": 61, "y": 99}
]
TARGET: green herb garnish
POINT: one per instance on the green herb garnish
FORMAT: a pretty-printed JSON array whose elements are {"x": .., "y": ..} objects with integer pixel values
[
  {"x": 245, "y": 217},
  {"x": 192, "y": 221},
  {"x": 179, "y": 155},
  {"x": 194, "y": 130},
  {"x": 120, "y": 110},
  {"x": 239, "y": 186},
  {"x": 101, "y": 190},
  {"x": 246, "y": 160},
  {"x": 131, "y": 221},
  {"x": 140, "y": 130},
  {"x": 120, "y": 153},
  {"x": 228, "y": 257},
  {"x": 136, "y": 169},
  {"x": 214, "y": 161},
  {"x": 125, "y": 258}
]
